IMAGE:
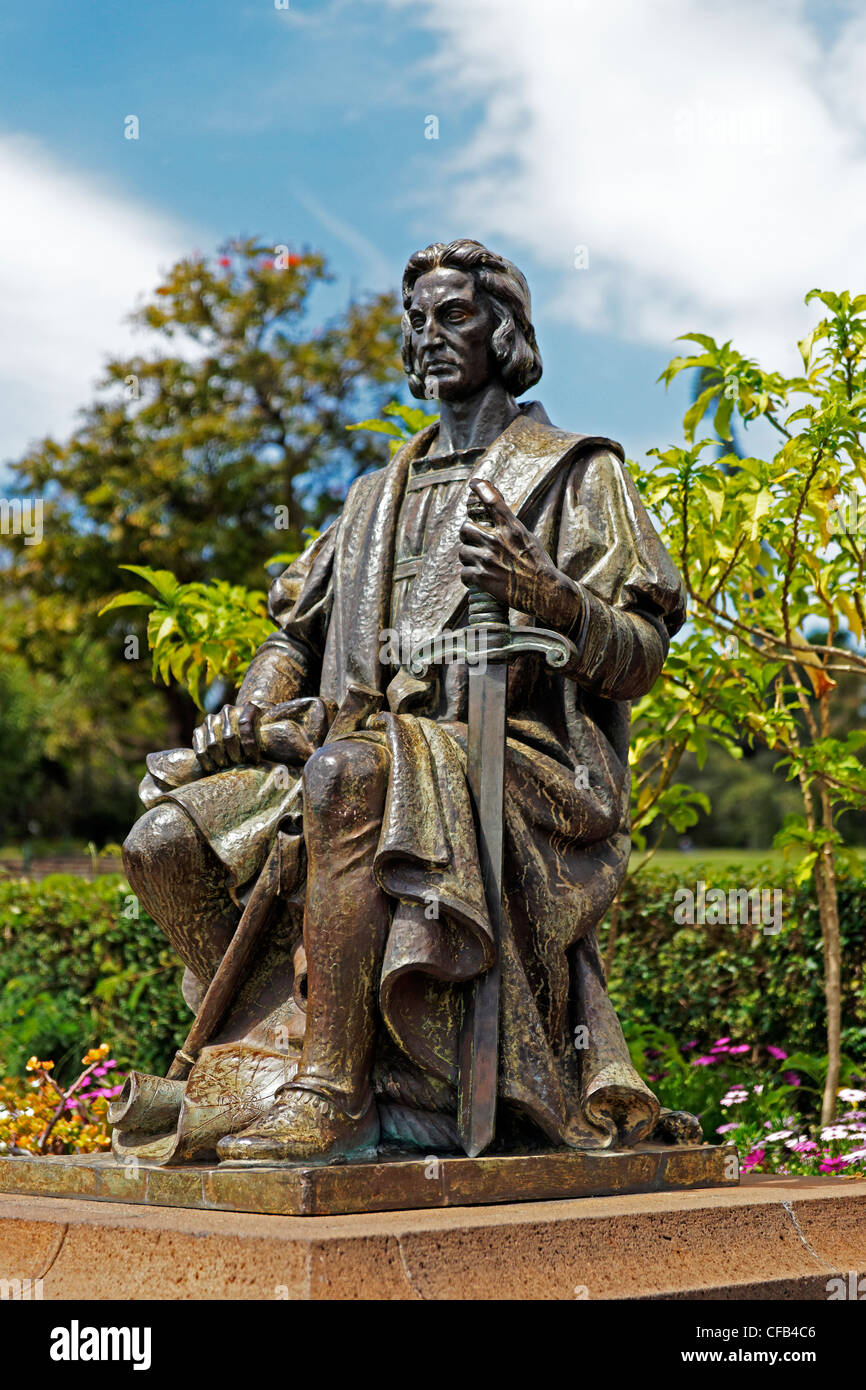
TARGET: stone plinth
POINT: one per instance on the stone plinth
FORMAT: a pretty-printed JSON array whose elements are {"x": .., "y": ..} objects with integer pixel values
[
  {"x": 395, "y": 1184},
  {"x": 767, "y": 1238}
]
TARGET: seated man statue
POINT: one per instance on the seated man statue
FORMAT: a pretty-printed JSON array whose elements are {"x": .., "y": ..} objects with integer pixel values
[{"x": 342, "y": 1034}]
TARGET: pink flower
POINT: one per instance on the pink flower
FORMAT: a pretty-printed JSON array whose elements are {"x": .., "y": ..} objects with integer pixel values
[
  {"x": 791, "y": 1078},
  {"x": 831, "y": 1165},
  {"x": 703, "y": 1061},
  {"x": 753, "y": 1159},
  {"x": 743, "y": 1047},
  {"x": 805, "y": 1146},
  {"x": 688, "y": 1045},
  {"x": 721, "y": 1042},
  {"x": 776, "y": 1052},
  {"x": 725, "y": 1129}
]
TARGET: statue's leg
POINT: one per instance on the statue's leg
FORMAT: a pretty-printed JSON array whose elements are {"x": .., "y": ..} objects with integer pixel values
[
  {"x": 328, "y": 1111},
  {"x": 182, "y": 885}
]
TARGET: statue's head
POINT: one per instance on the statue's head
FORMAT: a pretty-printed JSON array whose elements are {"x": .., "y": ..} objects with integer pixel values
[{"x": 466, "y": 322}]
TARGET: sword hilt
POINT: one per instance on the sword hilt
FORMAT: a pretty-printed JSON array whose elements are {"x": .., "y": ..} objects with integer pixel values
[{"x": 483, "y": 609}]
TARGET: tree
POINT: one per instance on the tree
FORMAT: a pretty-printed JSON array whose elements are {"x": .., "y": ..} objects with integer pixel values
[
  {"x": 203, "y": 458},
  {"x": 773, "y": 554},
  {"x": 199, "y": 633}
]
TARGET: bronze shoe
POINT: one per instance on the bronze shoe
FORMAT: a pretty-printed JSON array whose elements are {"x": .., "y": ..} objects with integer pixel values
[{"x": 304, "y": 1126}]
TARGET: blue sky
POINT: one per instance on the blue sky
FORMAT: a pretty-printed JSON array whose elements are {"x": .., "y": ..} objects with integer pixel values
[{"x": 693, "y": 153}]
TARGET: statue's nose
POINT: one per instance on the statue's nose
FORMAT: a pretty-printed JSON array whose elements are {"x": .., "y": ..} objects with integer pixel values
[{"x": 431, "y": 336}]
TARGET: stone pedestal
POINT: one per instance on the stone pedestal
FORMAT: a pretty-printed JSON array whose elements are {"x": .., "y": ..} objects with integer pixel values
[{"x": 766, "y": 1238}]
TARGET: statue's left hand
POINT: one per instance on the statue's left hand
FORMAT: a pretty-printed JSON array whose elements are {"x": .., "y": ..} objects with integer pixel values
[
  {"x": 507, "y": 561},
  {"x": 228, "y": 737},
  {"x": 246, "y": 733}
]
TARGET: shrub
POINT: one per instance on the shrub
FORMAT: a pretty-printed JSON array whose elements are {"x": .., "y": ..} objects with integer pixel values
[
  {"x": 78, "y": 963},
  {"x": 705, "y": 982}
]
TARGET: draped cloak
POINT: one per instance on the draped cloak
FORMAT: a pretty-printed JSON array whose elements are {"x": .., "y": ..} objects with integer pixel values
[{"x": 564, "y": 1067}]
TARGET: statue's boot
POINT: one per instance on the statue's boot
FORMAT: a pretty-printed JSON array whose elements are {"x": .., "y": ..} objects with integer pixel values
[
  {"x": 327, "y": 1113},
  {"x": 305, "y": 1125}
]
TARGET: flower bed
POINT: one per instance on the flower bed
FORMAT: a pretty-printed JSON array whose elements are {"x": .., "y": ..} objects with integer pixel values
[{"x": 37, "y": 1116}]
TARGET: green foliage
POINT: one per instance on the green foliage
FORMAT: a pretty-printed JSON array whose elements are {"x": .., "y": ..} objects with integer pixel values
[
  {"x": 775, "y": 573},
  {"x": 411, "y": 421},
  {"x": 188, "y": 453},
  {"x": 200, "y": 455},
  {"x": 760, "y": 1098},
  {"x": 76, "y": 964},
  {"x": 705, "y": 982},
  {"x": 74, "y": 967},
  {"x": 775, "y": 581},
  {"x": 199, "y": 633}
]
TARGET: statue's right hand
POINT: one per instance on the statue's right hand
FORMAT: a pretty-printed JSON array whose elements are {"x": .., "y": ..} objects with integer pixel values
[{"x": 228, "y": 737}]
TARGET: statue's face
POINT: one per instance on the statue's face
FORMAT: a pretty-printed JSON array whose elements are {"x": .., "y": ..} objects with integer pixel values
[{"x": 452, "y": 324}]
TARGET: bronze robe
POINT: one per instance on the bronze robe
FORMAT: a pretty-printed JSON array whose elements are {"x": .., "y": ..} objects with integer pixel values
[{"x": 563, "y": 1065}]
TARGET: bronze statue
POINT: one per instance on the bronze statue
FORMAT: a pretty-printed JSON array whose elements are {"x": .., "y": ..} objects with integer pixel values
[{"x": 390, "y": 936}]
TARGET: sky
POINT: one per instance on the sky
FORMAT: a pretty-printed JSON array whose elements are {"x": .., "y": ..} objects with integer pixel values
[{"x": 654, "y": 167}]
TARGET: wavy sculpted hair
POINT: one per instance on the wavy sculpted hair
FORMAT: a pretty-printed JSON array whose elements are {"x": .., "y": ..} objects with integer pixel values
[{"x": 513, "y": 342}]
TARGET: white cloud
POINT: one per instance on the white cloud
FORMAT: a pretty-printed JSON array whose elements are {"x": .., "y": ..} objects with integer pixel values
[
  {"x": 711, "y": 158},
  {"x": 74, "y": 258}
]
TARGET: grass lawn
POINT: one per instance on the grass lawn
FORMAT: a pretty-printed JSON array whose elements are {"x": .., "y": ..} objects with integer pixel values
[{"x": 688, "y": 862}]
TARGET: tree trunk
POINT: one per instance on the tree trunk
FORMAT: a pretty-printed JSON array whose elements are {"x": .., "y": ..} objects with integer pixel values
[{"x": 828, "y": 907}]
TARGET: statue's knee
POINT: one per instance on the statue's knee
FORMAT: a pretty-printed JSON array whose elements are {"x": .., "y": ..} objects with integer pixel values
[
  {"x": 343, "y": 773},
  {"x": 161, "y": 835}
]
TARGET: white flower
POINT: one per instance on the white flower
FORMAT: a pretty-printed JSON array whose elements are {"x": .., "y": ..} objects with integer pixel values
[
  {"x": 835, "y": 1132},
  {"x": 848, "y": 1094},
  {"x": 733, "y": 1097},
  {"x": 758, "y": 1089},
  {"x": 792, "y": 1143},
  {"x": 778, "y": 1134},
  {"x": 855, "y": 1155}
]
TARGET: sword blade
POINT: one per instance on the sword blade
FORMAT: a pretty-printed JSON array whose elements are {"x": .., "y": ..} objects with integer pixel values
[{"x": 479, "y": 1043}]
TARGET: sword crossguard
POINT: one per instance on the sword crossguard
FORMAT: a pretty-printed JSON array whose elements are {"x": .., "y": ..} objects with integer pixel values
[{"x": 464, "y": 646}]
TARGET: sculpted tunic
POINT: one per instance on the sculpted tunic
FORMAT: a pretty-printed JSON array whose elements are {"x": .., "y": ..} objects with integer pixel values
[{"x": 382, "y": 577}]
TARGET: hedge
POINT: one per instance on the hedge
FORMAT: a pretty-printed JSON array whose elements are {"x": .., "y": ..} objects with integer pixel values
[
  {"x": 707, "y": 982},
  {"x": 77, "y": 968}
]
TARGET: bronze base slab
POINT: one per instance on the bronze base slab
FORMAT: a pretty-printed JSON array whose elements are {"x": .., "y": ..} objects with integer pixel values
[{"x": 384, "y": 1184}]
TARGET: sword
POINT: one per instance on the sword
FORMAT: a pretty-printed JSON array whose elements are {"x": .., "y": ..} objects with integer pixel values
[{"x": 486, "y": 644}]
